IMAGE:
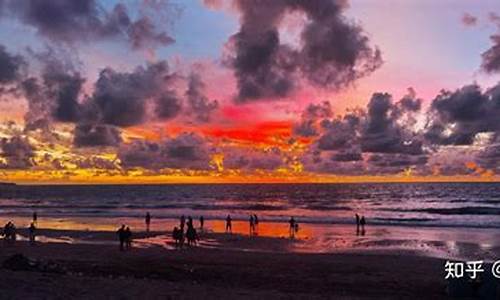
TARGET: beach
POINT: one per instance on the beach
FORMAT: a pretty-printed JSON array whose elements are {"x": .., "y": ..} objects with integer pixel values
[
  {"x": 86, "y": 264},
  {"x": 240, "y": 266},
  {"x": 411, "y": 231}
]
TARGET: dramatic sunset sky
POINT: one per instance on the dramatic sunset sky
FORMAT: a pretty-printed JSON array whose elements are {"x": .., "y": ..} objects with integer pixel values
[{"x": 153, "y": 91}]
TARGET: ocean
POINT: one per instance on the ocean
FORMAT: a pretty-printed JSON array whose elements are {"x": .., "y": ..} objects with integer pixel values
[{"x": 408, "y": 204}]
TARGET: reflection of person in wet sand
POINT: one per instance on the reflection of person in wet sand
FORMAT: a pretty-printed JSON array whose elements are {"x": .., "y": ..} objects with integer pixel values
[
  {"x": 362, "y": 222},
  {"x": 229, "y": 225}
]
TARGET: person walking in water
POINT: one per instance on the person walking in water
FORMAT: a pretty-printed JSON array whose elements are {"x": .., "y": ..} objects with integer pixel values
[
  {"x": 121, "y": 237},
  {"x": 32, "y": 233},
  {"x": 148, "y": 221},
  {"x": 251, "y": 222},
  {"x": 202, "y": 221},
  {"x": 362, "y": 222},
  {"x": 229, "y": 225}
]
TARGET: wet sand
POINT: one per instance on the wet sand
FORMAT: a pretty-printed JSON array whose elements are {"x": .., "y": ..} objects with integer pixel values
[
  {"x": 102, "y": 271},
  {"x": 323, "y": 261}
]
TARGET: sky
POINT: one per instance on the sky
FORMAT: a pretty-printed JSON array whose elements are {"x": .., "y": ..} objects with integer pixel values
[{"x": 212, "y": 91}]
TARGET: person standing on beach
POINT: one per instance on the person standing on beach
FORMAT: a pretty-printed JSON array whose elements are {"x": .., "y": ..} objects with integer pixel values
[
  {"x": 256, "y": 223},
  {"x": 32, "y": 233},
  {"x": 251, "y": 224},
  {"x": 148, "y": 221},
  {"x": 357, "y": 224},
  {"x": 202, "y": 221},
  {"x": 190, "y": 222},
  {"x": 362, "y": 222},
  {"x": 121, "y": 237},
  {"x": 35, "y": 217},
  {"x": 229, "y": 225},
  {"x": 128, "y": 238}
]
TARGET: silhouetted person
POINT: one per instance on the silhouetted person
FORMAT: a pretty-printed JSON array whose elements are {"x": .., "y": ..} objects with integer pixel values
[
  {"x": 190, "y": 222},
  {"x": 357, "y": 224},
  {"x": 35, "y": 217},
  {"x": 183, "y": 222},
  {"x": 148, "y": 221},
  {"x": 121, "y": 237},
  {"x": 178, "y": 237},
  {"x": 229, "y": 225},
  {"x": 292, "y": 227},
  {"x": 251, "y": 224},
  {"x": 9, "y": 232},
  {"x": 32, "y": 233},
  {"x": 191, "y": 234},
  {"x": 128, "y": 238},
  {"x": 362, "y": 222},
  {"x": 202, "y": 222},
  {"x": 256, "y": 223}
]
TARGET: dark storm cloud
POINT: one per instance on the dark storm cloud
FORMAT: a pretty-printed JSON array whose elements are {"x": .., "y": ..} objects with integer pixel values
[
  {"x": 54, "y": 95},
  {"x": 199, "y": 105},
  {"x": 186, "y": 151},
  {"x": 310, "y": 117},
  {"x": 333, "y": 53},
  {"x": 84, "y": 20},
  {"x": 340, "y": 133},
  {"x": 253, "y": 159},
  {"x": 121, "y": 98},
  {"x": 17, "y": 152},
  {"x": 92, "y": 135},
  {"x": 383, "y": 163},
  {"x": 382, "y": 133},
  {"x": 457, "y": 117},
  {"x": 381, "y": 139},
  {"x": 10, "y": 66},
  {"x": 352, "y": 155}
]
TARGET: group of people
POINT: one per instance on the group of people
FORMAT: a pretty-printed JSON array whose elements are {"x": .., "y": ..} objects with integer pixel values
[
  {"x": 9, "y": 232},
  {"x": 254, "y": 224},
  {"x": 360, "y": 224},
  {"x": 125, "y": 237},
  {"x": 179, "y": 235},
  {"x": 190, "y": 234}
]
